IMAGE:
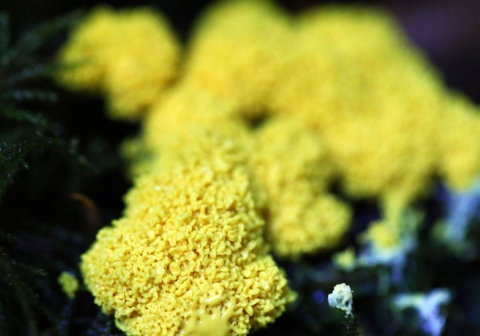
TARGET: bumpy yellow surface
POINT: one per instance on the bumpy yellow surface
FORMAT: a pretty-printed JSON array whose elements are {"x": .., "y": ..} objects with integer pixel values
[
  {"x": 236, "y": 51},
  {"x": 306, "y": 224},
  {"x": 292, "y": 166},
  {"x": 185, "y": 109},
  {"x": 205, "y": 324},
  {"x": 331, "y": 57},
  {"x": 86, "y": 52},
  {"x": 269, "y": 112},
  {"x": 374, "y": 101},
  {"x": 130, "y": 56},
  {"x": 188, "y": 107},
  {"x": 460, "y": 143},
  {"x": 189, "y": 245},
  {"x": 288, "y": 161}
]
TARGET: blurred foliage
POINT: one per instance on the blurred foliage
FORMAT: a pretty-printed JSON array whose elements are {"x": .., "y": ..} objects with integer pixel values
[{"x": 25, "y": 134}]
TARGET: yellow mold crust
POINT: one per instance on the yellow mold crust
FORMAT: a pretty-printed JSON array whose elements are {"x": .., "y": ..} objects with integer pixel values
[
  {"x": 85, "y": 52},
  {"x": 188, "y": 107},
  {"x": 236, "y": 51},
  {"x": 460, "y": 143},
  {"x": 294, "y": 169},
  {"x": 130, "y": 56},
  {"x": 375, "y": 102},
  {"x": 184, "y": 110},
  {"x": 190, "y": 243}
]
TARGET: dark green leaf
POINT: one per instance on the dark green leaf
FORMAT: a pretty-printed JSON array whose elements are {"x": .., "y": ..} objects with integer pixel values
[
  {"x": 34, "y": 72},
  {"x": 20, "y": 96},
  {"x": 34, "y": 39},
  {"x": 14, "y": 113}
]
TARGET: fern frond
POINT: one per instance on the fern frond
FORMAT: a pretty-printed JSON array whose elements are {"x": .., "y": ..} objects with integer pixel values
[
  {"x": 21, "y": 96},
  {"x": 34, "y": 72},
  {"x": 37, "y": 37}
]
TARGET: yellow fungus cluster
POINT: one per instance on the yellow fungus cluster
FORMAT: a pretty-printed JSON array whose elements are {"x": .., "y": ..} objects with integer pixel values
[
  {"x": 292, "y": 166},
  {"x": 236, "y": 50},
  {"x": 459, "y": 141},
  {"x": 186, "y": 107},
  {"x": 269, "y": 111},
  {"x": 375, "y": 106},
  {"x": 189, "y": 250},
  {"x": 130, "y": 56},
  {"x": 287, "y": 160},
  {"x": 374, "y": 111}
]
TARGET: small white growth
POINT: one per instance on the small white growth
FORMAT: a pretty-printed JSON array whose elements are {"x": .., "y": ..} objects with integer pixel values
[{"x": 341, "y": 298}]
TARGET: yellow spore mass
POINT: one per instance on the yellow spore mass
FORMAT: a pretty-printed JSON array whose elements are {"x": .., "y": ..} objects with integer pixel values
[
  {"x": 184, "y": 109},
  {"x": 459, "y": 143},
  {"x": 287, "y": 159},
  {"x": 375, "y": 102},
  {"x": 307, "y": 224},
  {"x": 85, "y": 52},
  {"x": 188, "y": 107},
  {"x": 344, "y": 28},
  {"x": 189, "y": 245},
  {"x": 236, "y": 51},
  {"x": 130, "y": 56},
  {"x": 293, "y": 168},
  {"x": 268, "y": 111},
  {"x": 204, "y": 324}
]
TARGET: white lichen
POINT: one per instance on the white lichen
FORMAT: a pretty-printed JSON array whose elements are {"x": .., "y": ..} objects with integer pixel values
[{"x": 342, "y": 298}]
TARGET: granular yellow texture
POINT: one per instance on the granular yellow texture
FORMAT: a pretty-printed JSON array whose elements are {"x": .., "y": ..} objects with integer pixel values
[
  {"x": 129, "y": 56},
  {"x": 391, "y": 157},
  {"x": 188, "y": 107},
  {"x": 288, "y": 153},
  {"x": 236, "y": 51},
  {"x": 293, "y": 168},
  {"x": 332, "y": 60},
  {"x": 306, "y": 224},
  {"x": 288, "y": 161},
  {"x": 345, "y": 27},
  {"x": 205, "y": 324},
  {"x": 460, "y": 143},
  {"x": 86, "y": 52},
  {"x": 374, "y": 101},
  {"x": 184, "y": 109},
  {"x": 189, "y": 250}
]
